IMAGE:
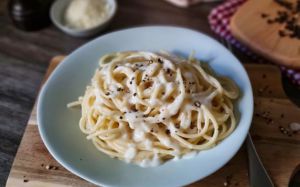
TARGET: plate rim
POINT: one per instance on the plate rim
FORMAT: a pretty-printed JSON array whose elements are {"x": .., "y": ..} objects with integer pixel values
[{"x": 69, "y": 167}]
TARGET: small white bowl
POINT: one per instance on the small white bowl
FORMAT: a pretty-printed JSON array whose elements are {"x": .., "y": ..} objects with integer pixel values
[{"x": 57, "y": 12}]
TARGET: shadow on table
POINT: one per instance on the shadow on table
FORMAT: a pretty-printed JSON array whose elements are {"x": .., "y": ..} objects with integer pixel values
[{"x": 291, "y": 90}]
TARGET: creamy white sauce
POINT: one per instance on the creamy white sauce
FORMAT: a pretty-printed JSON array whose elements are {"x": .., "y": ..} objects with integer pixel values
[
  {"x": 188, "y": 75},
  {"x": 189, "y": 155},
  {"x": 168, "y": 64},
  {"x": 176, "y": 158},
  {"x": 203, "y": 98},
  {"x": 154, "y": 102},
  {"x": 130, "y": 154},
  {"x": 155, "y": 161},
  {"x": 148, "y": 144},
  {"x": 139, "y": 123},
  {"x": 133, "y": 100},
  {"x": 172, "y": 129},
  {"x": 138, "y": 135},
  {"x": 151, "y": 69},
  {"x": 168, "y": 142}
]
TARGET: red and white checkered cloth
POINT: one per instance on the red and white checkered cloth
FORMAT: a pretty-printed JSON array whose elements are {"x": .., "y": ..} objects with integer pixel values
[{"x": 219, "y": 20}]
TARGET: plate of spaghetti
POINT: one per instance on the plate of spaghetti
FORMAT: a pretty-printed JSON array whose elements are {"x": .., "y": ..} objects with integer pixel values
[{"x": 147, "y": 106}]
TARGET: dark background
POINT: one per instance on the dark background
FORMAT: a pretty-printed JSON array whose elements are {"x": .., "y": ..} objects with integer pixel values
[{"x": 24, "y": 57}]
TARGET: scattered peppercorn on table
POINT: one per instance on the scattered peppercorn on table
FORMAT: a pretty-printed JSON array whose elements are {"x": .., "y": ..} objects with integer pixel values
[{"x": 271, "y": 28}]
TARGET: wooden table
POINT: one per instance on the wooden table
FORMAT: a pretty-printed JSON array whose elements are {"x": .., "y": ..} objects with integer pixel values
[{"x": 24, "y": 58}]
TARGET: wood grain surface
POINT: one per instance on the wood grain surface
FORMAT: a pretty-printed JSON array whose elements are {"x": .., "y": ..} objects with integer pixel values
[
  {"x": 250, "y": 28},
  {"x": 25, "y": 56},
  {"x": 279, "y": 152}
]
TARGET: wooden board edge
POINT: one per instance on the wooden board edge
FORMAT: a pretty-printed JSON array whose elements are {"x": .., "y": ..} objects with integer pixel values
[
  {"x": 14, "y": 181},
  {"x": 56, "y": 60},
  {"x": 52, "y": 65}
]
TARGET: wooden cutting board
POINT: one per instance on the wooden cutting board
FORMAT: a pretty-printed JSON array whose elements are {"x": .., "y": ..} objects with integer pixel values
[
  {"x": 280, "y": 152},
  {"x": 249, "y": 27}
]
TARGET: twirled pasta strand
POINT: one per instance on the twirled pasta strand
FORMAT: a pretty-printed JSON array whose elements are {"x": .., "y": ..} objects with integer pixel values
[{"x": 147, "y": 108}]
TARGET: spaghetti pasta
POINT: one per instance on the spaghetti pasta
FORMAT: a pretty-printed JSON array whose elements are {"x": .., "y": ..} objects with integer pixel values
[{"x": 147, "y": 108}]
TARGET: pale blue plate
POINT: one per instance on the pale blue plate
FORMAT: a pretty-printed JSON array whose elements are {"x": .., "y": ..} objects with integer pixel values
[{"x": 59, "y": 129}]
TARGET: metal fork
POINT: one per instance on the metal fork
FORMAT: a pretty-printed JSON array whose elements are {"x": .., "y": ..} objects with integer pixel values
[{"x": 258, "y": 175}]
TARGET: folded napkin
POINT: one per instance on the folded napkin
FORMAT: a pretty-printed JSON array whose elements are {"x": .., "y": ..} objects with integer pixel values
[{"x": 219, "y": 19}]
